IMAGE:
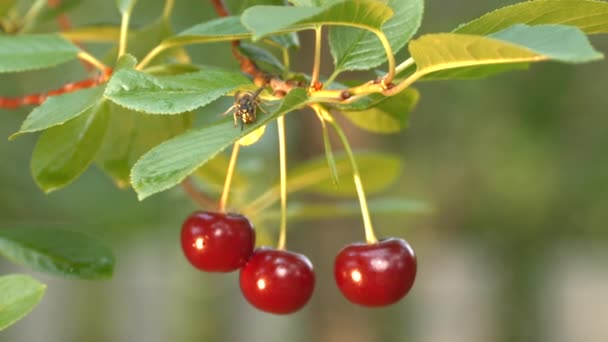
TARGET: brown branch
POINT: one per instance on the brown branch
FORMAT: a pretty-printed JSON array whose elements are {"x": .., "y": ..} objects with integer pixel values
[{"x": 37, "y": 99}]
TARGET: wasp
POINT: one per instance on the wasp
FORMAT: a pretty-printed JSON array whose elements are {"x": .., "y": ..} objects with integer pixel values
[{"x": 245, "y": 107}]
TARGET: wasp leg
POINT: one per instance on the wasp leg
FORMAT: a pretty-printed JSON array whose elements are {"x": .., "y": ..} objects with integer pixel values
[{"x": 228, "y": 110}]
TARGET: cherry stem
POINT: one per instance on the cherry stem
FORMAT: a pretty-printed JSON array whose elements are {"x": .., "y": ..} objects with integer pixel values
[
  {"x": 169, "y": 4},
  {"x": 196, "y": 195},
  {"x": 85, "y": 56},
  {"x": 124, "y": 30},
  {"x": 370, "y": 237},
  {"x": 283, "y": 176},
  {"x": 317, "y": 58},
  {"x": 229, "y": 174}
]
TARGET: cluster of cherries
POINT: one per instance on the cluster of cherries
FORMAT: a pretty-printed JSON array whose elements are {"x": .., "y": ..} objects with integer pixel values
[{"x": 280, "y": 281}]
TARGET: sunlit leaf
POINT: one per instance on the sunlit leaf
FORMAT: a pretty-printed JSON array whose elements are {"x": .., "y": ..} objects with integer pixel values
[
  {"x": 217, "y": 30},
  {"x": 57, "y": 251},
  {"x": 35, "y": 51},
  {"x": 19, "y": 294},
  {"x": 265, "y": 20},
  {"x": 171, "y": 94},
  {"x": 588, "y": 15},
  {"x": 64, "y": 152},
  {"x": 5, "y": 6},
  {"x": 515, "y": 45},
  {"x": 357, "y": 49},
  {"x": 169, "y": 163},
  {"x": 387, "y": 116},
  {"x": 56, "y": 110}
]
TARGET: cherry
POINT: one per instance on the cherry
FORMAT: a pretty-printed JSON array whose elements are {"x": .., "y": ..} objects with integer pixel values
[
  {"x": 376, "y": 274},
  {"x": 277, "y": 281},
  {"x": 217, "y": 242}
]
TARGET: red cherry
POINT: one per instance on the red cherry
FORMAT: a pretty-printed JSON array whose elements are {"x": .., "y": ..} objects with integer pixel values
[
  {"x": 375, "y": 274},
  {"x": 217, "y": 242},
  {"x": 277, "y": 281}
]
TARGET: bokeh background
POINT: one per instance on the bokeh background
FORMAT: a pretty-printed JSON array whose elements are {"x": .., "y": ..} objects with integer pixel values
[{"x": 515, "y": 249}]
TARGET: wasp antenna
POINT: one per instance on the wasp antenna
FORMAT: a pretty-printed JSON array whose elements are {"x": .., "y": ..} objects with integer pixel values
[{"x": 257, "y": 92}]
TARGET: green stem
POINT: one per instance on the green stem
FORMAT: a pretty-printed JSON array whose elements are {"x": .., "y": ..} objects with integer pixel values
[
  {"x": 370, "y": 237},
  {"x": 229, "y": 174},
  {"x": 168, "y": 9},
  {"x": 283, "y": 172},
  {"x": 389, "y": 57},
  {"x": 124, "y": 32},
  {"x": 406, "y": 64},
  {"x": 31, "y": 15},
  {"x": 317, "y": 59}
]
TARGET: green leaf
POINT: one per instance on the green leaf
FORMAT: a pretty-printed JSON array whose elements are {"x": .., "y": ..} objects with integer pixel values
[
  {"x": 265, "y": 20},
  {"x": 19, "y": 294},
  {"x": 312, "y": 176},
  {"x": 589, "y": 16},
  {"x": 125, "y": 6},
  {"x": 171, "y": 94},
  {"x": 387, "y": 116},
  {"x": 217, "y": 30},
  {"x": 357, "y": 49},
  {"x": 64, "y": 152},
  {"x": 515, "y": 45},
  {"x": 93, "y": 34},
  {"x": 56, "y": 110},
  {"x": 36, "y": 51},
  {"x": 288, "y": 40},
  {"x": 169, "y": 163},
  {"x": 262, "y": 57},
  {"x": 57, "y": 251},
  {"x": 333, "y": 210},
  {"x": 308, "y": 3},
  {"x": 131, "y": 134}
]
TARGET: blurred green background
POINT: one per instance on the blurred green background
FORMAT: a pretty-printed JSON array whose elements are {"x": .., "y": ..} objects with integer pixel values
[{"x": 515, "y": 250}]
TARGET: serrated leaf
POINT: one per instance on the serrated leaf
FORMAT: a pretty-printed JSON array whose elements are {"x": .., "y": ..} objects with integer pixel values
[
  {"x": 312, "y": 176},
  {"x": 57, "y": 251},
  {"x": 131, "y": 134},
  {"x": 265, "y": 20},
  {"x": 93, "y": 34},
  {"x": 169, "y": 163},
  {"x": 387, "y": 116},
  {"x": 64, "y": 152},
  {"x": 589, "y": 16},
  {"x": 35, "y": 51},
  {"x": 357, "y": 49},
  {"x": 56, "y": 110},
  {"x": 19, "y": 294},
  {"x": 333, "y": 210},
  {"x": 125, "y": 6},
  {"x": 515, "y": 45},
  {"x": 170, "y": 94}
]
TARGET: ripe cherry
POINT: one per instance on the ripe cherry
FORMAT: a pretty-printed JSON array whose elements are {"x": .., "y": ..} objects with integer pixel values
[
  {"x": 217, "y": 242},
  {"x": 375, "y": 274},
  {"x": 277, "y": 281}
]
